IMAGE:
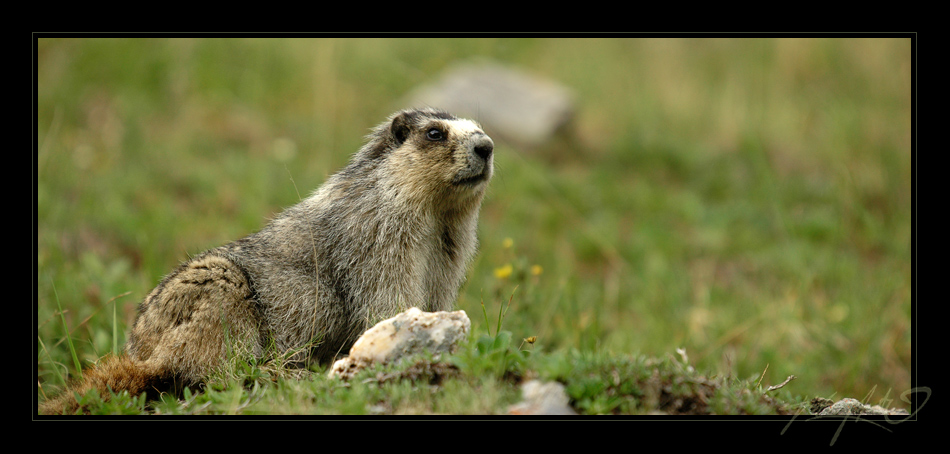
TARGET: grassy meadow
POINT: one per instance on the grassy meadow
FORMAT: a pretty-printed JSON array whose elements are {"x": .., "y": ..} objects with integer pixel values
[{"x": 746, "y": 200}]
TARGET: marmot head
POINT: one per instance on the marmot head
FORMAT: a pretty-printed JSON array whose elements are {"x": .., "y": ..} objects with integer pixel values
[{"x": 431, "y": 154}]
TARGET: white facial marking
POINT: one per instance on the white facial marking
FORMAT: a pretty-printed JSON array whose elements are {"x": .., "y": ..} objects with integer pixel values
[{"x": 464, "y": 126}]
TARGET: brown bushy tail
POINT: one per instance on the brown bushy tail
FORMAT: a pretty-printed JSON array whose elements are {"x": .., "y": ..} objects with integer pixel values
[{"x": 115, "y": 373}]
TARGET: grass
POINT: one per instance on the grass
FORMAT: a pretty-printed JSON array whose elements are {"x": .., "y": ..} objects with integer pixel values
[{"x": 746, "y": 200}]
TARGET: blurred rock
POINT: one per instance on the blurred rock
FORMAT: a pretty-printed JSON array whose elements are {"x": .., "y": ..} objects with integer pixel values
[
  {"x": 511, "y": 105},
  {"x": 853, "y": 407},
  {"x": 410, "y": 332},
  {"x": 542, "y": 398}
]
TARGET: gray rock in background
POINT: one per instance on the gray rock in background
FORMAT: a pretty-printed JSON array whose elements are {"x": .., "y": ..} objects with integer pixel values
[{"x": 513, "y": 106}]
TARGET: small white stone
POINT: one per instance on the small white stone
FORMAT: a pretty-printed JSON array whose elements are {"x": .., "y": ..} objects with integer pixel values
[
  {"x": 542, "y": 398},
  {"x": 409, "y": 332},
  {"x": 849, "y": 406}
]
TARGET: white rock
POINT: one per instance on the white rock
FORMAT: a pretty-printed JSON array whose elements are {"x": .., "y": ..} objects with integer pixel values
[
  {"x": 849, "y": 406},
  {"x": 542, "y": 398},
  {"x": 409, "y": 332}
]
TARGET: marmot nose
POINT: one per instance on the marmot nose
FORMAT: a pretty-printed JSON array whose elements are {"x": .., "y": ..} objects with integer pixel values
[{"x": 484, "y": 147}]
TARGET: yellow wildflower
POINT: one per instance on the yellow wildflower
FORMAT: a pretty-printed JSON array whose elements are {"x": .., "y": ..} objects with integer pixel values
[{"x": 504, "y": 272}]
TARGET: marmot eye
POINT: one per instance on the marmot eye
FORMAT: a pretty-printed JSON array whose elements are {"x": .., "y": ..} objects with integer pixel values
[{"x": 434, "y": 134}]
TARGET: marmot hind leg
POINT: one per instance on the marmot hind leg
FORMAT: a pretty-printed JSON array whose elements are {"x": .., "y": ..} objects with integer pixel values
[{"x": 197, "y": 318}]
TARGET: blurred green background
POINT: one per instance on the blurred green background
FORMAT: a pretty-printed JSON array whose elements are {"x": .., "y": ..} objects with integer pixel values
[{"x": 748, "y": 200}]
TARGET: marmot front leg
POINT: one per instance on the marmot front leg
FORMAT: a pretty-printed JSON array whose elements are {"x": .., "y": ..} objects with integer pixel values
[{"x": 199, "y": 316}]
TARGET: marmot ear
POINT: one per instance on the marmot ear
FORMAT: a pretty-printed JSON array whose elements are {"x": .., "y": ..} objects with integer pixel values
[{"x": 401, "y": 127}]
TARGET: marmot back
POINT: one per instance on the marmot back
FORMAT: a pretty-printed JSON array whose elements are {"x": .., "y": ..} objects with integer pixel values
[{"x": 395, "y": 228}]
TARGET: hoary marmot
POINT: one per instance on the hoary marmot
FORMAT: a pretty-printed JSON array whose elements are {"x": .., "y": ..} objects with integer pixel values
[{"x": 395, "y": 228}]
